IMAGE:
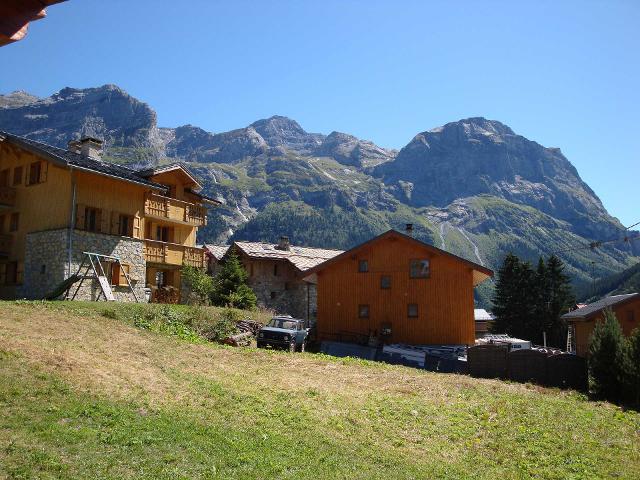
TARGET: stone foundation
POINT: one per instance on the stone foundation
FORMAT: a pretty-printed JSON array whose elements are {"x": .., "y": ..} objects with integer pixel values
[{"x": 46, "y": 263}]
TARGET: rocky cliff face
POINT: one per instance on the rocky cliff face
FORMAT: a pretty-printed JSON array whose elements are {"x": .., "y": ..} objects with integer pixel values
[
  {"x": 473, "y": 187},
  {"x": 106, "y": 112}
]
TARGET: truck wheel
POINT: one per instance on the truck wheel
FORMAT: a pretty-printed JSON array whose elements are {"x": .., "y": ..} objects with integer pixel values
[{"x": 292, "y": 347}]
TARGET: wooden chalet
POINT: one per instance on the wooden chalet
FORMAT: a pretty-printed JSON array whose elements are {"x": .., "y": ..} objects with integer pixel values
[
  {"x": 56, "y": 204},
  {"x": 582, "y": 321},
  {"x": 396, "y": 289}
]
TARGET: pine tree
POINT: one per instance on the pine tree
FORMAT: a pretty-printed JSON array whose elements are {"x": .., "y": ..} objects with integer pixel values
[
  {"x": 560, "y": 300},
  {"x": 633, "y": 366},
  {"x": 230, "y": 287},
  {"x": 607, "y": 358}
]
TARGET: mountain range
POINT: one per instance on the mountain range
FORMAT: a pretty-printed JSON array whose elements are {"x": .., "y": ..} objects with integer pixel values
[{"x": 473, "y": 187}]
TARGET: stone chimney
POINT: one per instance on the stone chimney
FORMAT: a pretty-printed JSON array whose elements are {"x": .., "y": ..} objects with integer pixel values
[
  {"x": 409, "y": 229},
  {"x": 88, "y": 146},
  {"x": 283, "y": 243},
  {"x": 73, "y": 146}
]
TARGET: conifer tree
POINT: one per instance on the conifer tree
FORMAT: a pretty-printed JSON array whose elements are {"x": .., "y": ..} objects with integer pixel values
[
  {"x": 607, "y": 358},
  {"x": 560, "y": 299},
  {"x": 230, "y": 287},
  {"x": 633, "y": 365}
]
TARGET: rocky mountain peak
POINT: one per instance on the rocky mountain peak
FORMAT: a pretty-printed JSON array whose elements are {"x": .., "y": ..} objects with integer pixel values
[
  {"x": 350, "y": 150},
  {"x": 279, "y": 131},
  {"x": 19, "y": 98}
]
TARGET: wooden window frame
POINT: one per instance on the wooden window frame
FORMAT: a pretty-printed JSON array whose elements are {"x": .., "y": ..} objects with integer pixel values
[
  {"x": 40, "y": 173},
  {"x": 89, "y": 214},
  {"x": 14, "y": 222},
  {"x": 363, "y": 266},
  {"x": 409, "y": 310},
  {"x": 18, "y": 174},
  {"x": 4, "y": 177},
  {"x": 385, "y": 282},
  {"x": 419, "y": 260},
  {"x": 361, "y": 307}
]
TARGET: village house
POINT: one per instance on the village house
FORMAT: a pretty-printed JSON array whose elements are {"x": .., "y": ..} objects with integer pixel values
[
  {"x": 56, "y": 204},
  {"x": 276, "y": 273},
  {"x": 582, "y": 321},
  {"x": 483, "y": 321},
  {"x": 396, "y": 289}
]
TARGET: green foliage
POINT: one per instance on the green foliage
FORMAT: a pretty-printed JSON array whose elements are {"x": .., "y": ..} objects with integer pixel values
[
  {"x": 224, "y": 326},
  {"x": 527, "y": 302},
  {"x": 169, "y": 321},
  {"x": 627, "y": 281},
  {"x": 608, "y": 358},
  {"x": 230, "y": 287},
  {"x": 199, "y": 283},
  {"x": 632, "y": 380}
]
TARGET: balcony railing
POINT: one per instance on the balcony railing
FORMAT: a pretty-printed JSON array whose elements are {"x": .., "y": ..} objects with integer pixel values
[
  {"x": 6, "y": 242},
  {"x": 174, "y": 209},
  {"x": 7, "y": 196},
  {"x": 173, "y": 254}
]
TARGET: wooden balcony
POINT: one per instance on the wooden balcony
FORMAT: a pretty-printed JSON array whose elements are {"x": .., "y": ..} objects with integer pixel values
[
  {"x": 7, "y": 197},
  {"x": 175, "y": 210},
  {"x": 6, "y": 242},
  {"x": 173, "y": 254}
]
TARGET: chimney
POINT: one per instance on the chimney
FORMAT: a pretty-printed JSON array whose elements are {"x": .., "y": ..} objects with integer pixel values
[
  {"x": 283, "y": 243},
  {"x": 91, "y": 147},
  {"x": 73, "y": 146},
  {"x": 409, "y": 229}
]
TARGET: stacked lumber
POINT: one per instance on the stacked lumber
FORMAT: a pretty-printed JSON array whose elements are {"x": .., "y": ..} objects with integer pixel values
[
  {"x": 242, "y": 339},
  {"x": 249, "y": 326}
]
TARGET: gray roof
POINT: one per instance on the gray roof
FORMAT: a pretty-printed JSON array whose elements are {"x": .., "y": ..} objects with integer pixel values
[
  {"x": 598, "y": 306},
  {"x": 82, "y": 162}
]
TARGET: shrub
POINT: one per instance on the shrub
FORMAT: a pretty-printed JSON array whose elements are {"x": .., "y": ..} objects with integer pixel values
[
  {"x": 230, "y": 287},
  {"x": 224, "y": 326},
  {"x": 608, "y": 358},
  {"x": 199, "y": 283},
  {"x": 633, "y": 363}
]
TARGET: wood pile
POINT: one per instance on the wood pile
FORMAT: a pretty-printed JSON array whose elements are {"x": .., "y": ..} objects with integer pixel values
[
  {"x": 242, "y": 339},
  {"x": 166, "y": 295},
  {"x": 249, "y": 326}
]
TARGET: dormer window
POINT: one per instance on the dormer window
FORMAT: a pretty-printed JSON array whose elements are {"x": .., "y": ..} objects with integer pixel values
[{"x": 420, "y": 268}]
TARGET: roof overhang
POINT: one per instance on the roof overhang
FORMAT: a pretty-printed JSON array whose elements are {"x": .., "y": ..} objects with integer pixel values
[
  {"x": 574, "y": 316},
  {"x": 180, "y": 167},
  {"x": 15, "y": 16}
]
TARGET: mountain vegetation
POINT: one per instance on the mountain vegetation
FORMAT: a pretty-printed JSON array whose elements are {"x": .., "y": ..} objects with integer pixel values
[
  {"x": 627, "y": 281},
  {"x": 473, "y": 187}
]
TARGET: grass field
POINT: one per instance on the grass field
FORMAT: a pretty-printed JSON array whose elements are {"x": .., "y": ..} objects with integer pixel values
[{"x": 84, "y": 395}]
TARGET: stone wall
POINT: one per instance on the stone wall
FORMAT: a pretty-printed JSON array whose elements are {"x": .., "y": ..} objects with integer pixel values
[{"x": 46, "y": 262}]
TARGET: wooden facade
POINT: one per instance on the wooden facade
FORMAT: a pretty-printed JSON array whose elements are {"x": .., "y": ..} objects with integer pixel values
[
  {"x": 627, "y": 313},
  {"x": 398, "y": 290},
  {"x": 39, "y": 193}
]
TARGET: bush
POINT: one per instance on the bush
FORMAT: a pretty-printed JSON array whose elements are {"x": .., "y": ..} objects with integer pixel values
[
  {"x": 608, "y": 364},
  {"x": 199, "y": 284},
  {"x": 230, "y": 287},
  {"x": 633, "y": 363},
  {"x": 223, "y": 327}
]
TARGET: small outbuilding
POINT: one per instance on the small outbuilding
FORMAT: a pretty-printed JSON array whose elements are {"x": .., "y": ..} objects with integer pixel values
[{"x": 582, "y": 321}]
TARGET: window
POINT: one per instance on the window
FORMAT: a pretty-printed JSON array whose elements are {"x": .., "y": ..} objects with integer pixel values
[
  {"x": 275, "y": 269},
  {"x": 17, "y": 176},
  {"x": 412, "y": 310},
  {"x": 419, "y": 268},
  {"x": 91, "y": 219},
  {"x": 118, "y": 272},
  {"x": 363, "y": 311},
  {"x": 37, "y": 173},
  {"x": 385, "y": 282},
  {"x": 631, "y": 316},
  {"x": 272, "y": 295},
  {"x": 125, "y": 225},
  {"x": 4, "y": 178},
  {"x": 363, "y": 266},
  {"x": 164, "y": 234},
  {"x": 43, "y": 269},
  {"x": 14, "y": 222}
]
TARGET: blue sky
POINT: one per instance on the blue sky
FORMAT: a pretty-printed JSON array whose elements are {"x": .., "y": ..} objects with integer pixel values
[{"x": 563, "y": 73}]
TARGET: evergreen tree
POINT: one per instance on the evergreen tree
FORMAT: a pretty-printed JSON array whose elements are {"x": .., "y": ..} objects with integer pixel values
[
  {"x": 559, "y": 301},
  {"x": 607, "y": 358},
  {"x": 230, "y": 287},
  {"x": 633, "y": 365},
  {"x": 513, "y": 302}
]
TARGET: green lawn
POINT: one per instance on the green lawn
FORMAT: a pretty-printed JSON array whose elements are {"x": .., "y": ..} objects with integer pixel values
[{"x": 84, "y": 395}]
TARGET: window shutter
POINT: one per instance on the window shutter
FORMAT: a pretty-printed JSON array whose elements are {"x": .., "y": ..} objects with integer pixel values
[
  {"x": 136, "y": 227},
  {"x": 115, "y": 223},
  {"x": 44, "y": 168},
  {"x": 80, "y": 209},
  {"x": 122, "y": 280},
  {"x": 102, "y": 221}
]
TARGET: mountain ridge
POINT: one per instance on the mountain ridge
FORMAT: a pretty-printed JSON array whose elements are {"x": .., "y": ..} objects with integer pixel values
[{"x": 474, "y": 186}]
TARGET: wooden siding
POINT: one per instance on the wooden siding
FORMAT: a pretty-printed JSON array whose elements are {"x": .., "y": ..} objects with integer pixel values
[
  {"x": 445, "y": 299},
  {"x": 584, "y": 328}
]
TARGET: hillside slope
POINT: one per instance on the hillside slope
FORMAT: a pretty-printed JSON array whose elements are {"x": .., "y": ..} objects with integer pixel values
[
  {"x": 473, "y": 187},
  {"x": 84, "y": 396}
]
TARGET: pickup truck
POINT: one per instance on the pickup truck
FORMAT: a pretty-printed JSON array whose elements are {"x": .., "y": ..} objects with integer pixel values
[{"x": 284, "y": 332}]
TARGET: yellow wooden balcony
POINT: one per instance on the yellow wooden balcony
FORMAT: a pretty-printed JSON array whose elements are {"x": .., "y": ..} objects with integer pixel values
[
  {"x": 6, "y": 242},
  {"x": 175, "y": 210},
  {"x": 7, "y": 197},
  {"x": 173, "y": 254}
]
